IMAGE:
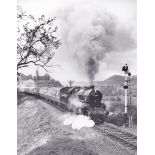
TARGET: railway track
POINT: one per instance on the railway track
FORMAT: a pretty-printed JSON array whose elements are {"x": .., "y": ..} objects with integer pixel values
[{"x": 124, "y": 138}]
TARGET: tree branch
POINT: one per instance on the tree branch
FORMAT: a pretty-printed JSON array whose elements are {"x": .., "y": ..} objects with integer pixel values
[{"x": 28, "y": 52}]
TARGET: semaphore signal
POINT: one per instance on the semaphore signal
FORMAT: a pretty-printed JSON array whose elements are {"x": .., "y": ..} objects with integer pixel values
[{"x": 127, "y": 76}]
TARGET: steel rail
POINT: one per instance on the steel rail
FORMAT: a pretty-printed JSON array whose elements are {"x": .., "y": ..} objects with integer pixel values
[{"x": 124, "y": 138}]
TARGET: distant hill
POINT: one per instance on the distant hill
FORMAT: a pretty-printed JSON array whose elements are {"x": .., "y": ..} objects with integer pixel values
[
  {"x": 113, "y": 86},
  {"x": 113, "y": 80},
  {"x": 116, "y": 80}
]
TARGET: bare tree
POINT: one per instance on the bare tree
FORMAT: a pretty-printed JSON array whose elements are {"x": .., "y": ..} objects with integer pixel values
[{"x": 36, "y": 40}]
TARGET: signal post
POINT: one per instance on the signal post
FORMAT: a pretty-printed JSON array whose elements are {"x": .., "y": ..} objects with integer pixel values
[{"x": 127, "y": 76}]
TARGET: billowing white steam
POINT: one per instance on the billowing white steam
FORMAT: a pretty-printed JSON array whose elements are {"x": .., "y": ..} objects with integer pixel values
[
  {"x": 77, "y": 121},
  {"x": 90, "y": 34},
  {"x": 75, "y": 102}
]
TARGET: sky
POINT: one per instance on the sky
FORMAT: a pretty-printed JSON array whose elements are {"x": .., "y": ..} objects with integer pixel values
[{"x": 80, "y": 20}]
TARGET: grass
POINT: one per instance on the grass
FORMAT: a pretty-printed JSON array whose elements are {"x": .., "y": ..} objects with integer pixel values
[
  {"x": 21, "y": 97},
  {"x": 63, "y": 146}
]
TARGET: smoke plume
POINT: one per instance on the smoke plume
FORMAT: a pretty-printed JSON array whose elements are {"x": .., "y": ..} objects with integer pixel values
[{"x": 90, "y": 34}]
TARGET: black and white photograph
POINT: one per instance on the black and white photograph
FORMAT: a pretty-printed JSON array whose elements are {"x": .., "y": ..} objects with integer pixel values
[{"x": 77, "y": 77}]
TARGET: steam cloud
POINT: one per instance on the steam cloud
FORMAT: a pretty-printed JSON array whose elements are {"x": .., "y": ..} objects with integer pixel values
[
  {"x": 77, "y": 121},
  {"x": 90, "y": 34},
  {"x": 76, "y": 102}
]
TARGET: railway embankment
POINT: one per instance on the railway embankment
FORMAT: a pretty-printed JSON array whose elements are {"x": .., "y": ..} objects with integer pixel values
[{"x": 41, "y": 131}]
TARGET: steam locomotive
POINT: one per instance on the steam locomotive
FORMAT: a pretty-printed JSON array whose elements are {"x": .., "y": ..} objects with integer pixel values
[
  {"x": 78, "y": 100},
  {"x": 91, "y": 102}
]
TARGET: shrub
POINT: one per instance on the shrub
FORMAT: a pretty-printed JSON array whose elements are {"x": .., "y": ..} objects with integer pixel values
[{"x": 117, "y": 120}]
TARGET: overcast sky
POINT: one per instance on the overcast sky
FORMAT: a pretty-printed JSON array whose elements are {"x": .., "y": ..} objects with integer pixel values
[{"x": 74, "y": 19}]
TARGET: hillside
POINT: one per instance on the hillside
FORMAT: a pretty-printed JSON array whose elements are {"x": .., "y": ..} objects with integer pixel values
[
  {"x": 113, "y": 86},
  {"x": 113, "y": 80},
  {"x": 116, "y": 80}
]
